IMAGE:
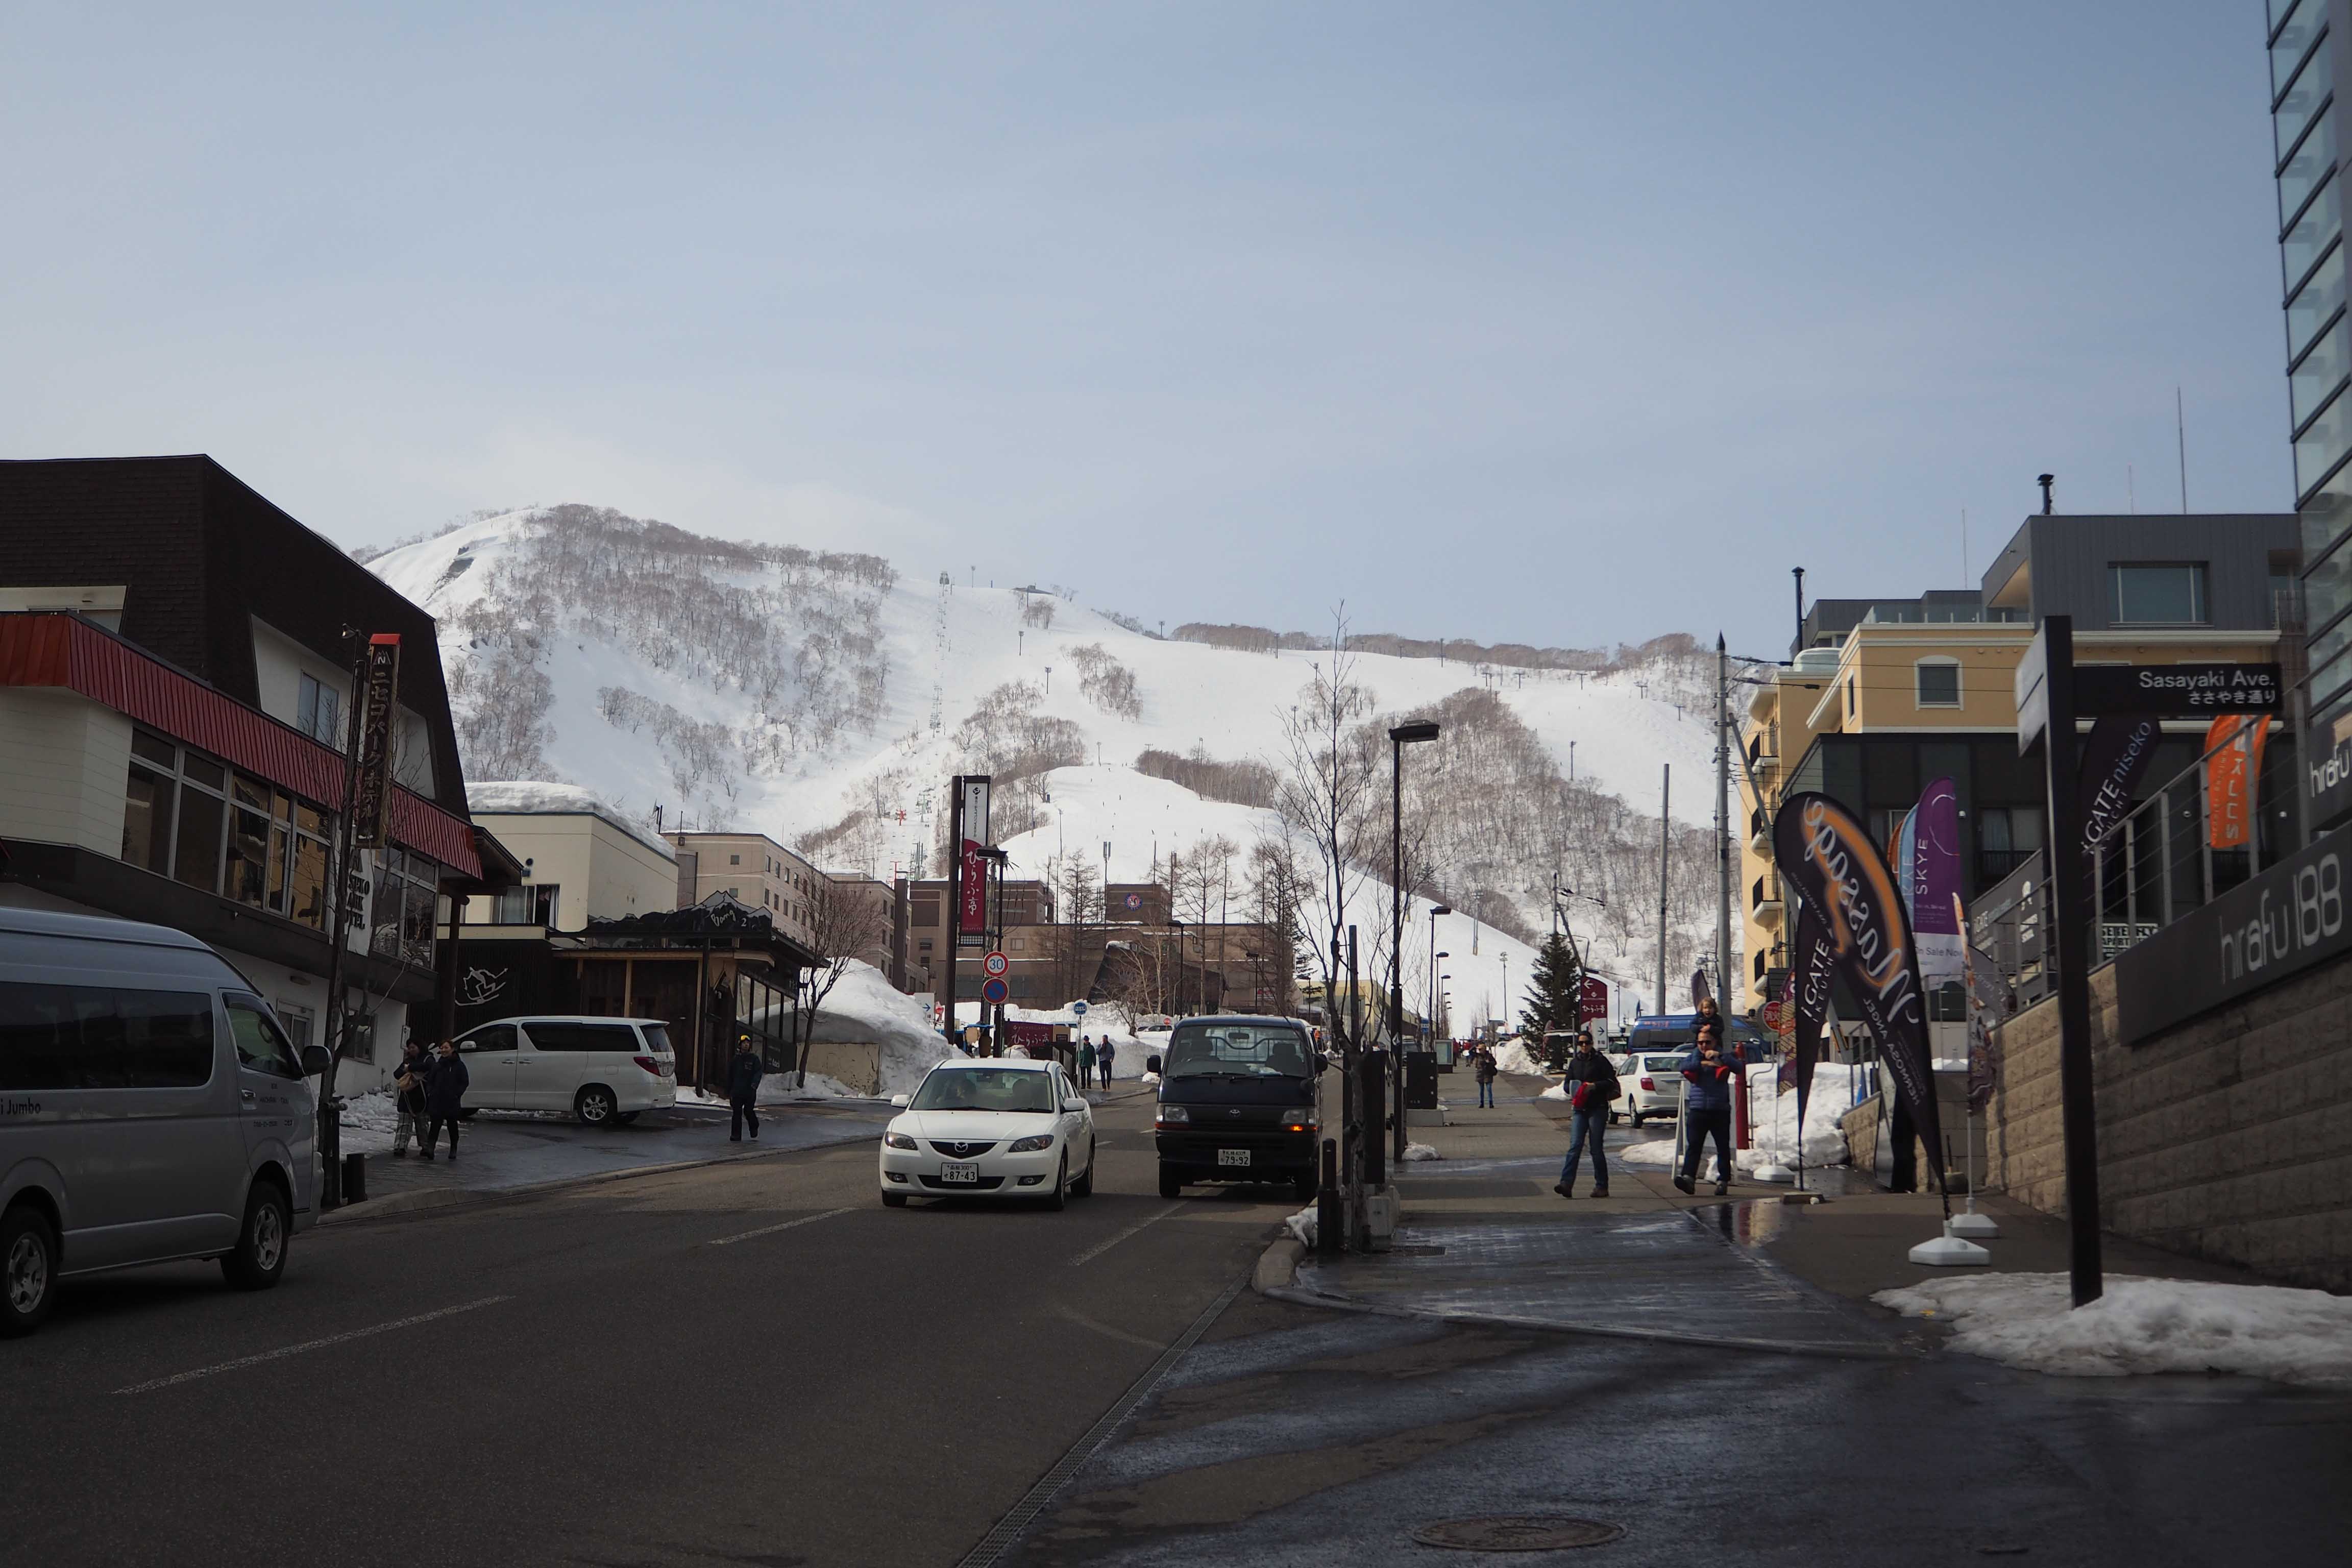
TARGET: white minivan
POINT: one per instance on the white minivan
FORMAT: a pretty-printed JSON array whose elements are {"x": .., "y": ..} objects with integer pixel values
[
  {"x": 602, "y": 1070},
  {"x": 151, "y": 1109}
]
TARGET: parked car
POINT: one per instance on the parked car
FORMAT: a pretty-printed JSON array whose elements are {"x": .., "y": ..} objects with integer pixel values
[
  {"x": 1004, "y": 1125},
  {"x": 602, "y": 1070},
  {"x": 1653, "y": 1083},
  {"x": 1237, "y": 1104},
  {"x": 151, "y": 1109}
]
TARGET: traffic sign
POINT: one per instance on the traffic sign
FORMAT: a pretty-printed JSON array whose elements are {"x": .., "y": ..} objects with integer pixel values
[
  {"x": 993, "y": 991},
  {"x": 1079, "y": 1008},
  {"x": 1134, "y": 900},
  {"x": 994, "y": 965}
]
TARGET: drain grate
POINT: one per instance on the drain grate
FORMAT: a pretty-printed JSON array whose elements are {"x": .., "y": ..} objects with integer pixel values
[{"x": 1516, "y": 1532}]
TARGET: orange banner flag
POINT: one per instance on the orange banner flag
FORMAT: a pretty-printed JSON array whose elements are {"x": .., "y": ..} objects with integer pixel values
[{"x": 2234, "y": 772}]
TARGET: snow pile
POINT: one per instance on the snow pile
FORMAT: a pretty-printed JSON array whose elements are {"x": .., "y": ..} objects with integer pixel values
[
  {"x": 527, "y": 797},
  {"x": 2142, "y": 1325},
  {"x": 1658, "y": 1151},
  {"x": 1557, "y": 1092},
  {"x": 1512, "y": 1056},
  {"x": 1150, "y": 1078},
  {"x": 1773, "y": 1122},
  {"x": 367, "y": 1122},
  {"x": 1420, "y": 1152},
  {"x": 776, "y": 1089},
  {"x": 863, "y": 1005},
  {"x": 1302, "y": 1225}
]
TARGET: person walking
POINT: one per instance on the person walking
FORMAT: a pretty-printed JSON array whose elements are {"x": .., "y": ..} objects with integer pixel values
[
  {"x": 444, "y": 1096},
  {"x": 1086, "y": 1062},
  {"x": 1713, "y": 1079},
  {"x": 1483, "y": 1071},
  {"x": 744, "y": 1072},
  {"x": 1103, "y": 1054},
  {"x": 408, "y": 1096},
  {"x": 1592, "y": 1085}
]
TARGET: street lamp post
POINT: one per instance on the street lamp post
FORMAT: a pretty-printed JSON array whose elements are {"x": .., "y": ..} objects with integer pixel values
[
  {"x": 1430, "y": 1021},
  {"x": 1399, "y": 737}
]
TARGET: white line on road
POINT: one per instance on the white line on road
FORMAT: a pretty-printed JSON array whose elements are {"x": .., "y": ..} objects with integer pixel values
[
  {"x": 285, "y": 1350},
  {"x": 1098, "y": 1248},
  {"x": 772, "y": 1229}
]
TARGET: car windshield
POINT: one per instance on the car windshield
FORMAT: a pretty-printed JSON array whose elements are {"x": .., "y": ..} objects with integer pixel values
[
  {"x": 1238, "y": 1050},
  {"x": 984, "y": 1088}
]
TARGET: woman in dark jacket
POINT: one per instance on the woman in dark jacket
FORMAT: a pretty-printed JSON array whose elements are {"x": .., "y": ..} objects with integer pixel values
[
  {"x": 1483, "y": 1068},
  {"x": 1591, "y": 1084},
  {"x": 444, "y": 1096}
]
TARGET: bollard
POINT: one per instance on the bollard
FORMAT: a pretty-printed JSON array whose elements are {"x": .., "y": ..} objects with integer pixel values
[
  {"x": 1373, "y": 1097},
  {"x": 355, "y": 1178}
]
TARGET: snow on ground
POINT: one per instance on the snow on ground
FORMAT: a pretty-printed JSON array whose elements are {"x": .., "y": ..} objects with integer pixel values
[
  {"x": 1302, "y": 1225},
  {"x": 1557, "y": 1092},
  {"x": 2142, "y": 1325},
  {"x": 1658, "y": 1151},
  {"x": 1772, "y": 1120},
  {"x": 368, "y": 1121},
  {"x": 1512, "y": 1056},
  {"x": 1421, "y": 1151},
  {"x": 863, "y": 1005}
]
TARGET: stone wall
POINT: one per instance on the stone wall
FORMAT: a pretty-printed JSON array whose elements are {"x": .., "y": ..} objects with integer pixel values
[{"x": 2228, "y": 1137}]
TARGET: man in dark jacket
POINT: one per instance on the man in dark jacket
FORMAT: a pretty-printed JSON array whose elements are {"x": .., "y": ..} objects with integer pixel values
[
  {"x": 1712, "y": 1078},
  {"x": 408, "y": 1096},
  {"x": 1592, "y": 1085},
  {"x": 444, "y": 1096},
  {"x": 1483, "y": 1068},
  {"x": 743, "y": 1074}
]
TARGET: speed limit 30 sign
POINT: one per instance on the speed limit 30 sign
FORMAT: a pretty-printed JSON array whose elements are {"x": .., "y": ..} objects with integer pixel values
[{"x": 995, "y": 965}]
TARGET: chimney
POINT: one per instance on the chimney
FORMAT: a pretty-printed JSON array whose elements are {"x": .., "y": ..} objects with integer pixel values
[{"x": 2045, "y": 481}]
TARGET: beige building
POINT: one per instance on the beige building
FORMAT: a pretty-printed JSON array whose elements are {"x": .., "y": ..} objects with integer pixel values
[
  {"x": 582, "y": 859},
  {"x": 750, "y": 867}
]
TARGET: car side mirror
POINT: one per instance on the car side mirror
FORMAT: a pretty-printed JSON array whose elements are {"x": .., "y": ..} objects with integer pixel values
[
  {"x": 1077, "y": 1102},
  {"x": 900, "y": 1101},
  {"x": 315, "y": 1061}
]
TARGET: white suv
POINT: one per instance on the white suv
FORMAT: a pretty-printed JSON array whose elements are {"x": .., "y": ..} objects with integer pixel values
[{"x": 602, "y": 1070}]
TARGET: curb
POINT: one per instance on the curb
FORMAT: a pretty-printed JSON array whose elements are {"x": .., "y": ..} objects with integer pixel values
[
  {"x": 449, "y": 1197},
  {"x": 1278, "y": 1265},
  {"x": 1301, "y": 1296}
]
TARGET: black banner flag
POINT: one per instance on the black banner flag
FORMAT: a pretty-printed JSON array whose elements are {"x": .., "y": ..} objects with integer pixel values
[
  {"x": 2116, "y": 755},
  {"x": 1808, "y": 1001},
  {"x": 1827, "y": 858}
]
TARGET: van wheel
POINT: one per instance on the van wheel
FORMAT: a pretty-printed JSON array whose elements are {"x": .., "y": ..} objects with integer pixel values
[
  {"x": 1171, "y": 1185},
  {"x": 28, "y": 1270},
  {"x": 259, "y": 1256},
  {"x": 594, "y": 1106}
]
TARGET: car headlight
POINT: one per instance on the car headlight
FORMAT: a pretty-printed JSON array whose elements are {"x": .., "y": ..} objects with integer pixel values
[
  {"x": 1306, "y": 1121},
  {"x": 1030, "y": 1145},
  {"x": 897, "y": 1141},
  {"x": 1174, "y": 1116}
]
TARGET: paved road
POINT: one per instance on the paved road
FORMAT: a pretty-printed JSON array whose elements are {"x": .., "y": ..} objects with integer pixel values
[{"x": 752, "y": 1363}]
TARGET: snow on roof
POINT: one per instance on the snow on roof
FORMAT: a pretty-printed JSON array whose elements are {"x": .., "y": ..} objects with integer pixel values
[{"x": 533, "y": 797}]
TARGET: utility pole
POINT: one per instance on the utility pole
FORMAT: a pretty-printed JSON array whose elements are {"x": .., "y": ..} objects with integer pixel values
[
  {"x": 337, "y": 1019},
  {"x": 1666, "y": 832},
  {"x": 953, "y": 934},
  {"x": 1722, "y": 826}
]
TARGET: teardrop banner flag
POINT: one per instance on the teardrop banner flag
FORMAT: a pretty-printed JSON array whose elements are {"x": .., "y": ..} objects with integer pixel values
[
  {"x": 1932, "y": 881},
  {"x": 2115, "y": 757},
  {"x": 2232, "y": 773},
  {"x": 1988, "y": 1006},
  {"x": 1827, "y": 857},
  {"x": 1809, "y": 988}
]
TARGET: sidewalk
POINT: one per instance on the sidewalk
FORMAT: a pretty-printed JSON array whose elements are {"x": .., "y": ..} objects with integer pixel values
[
  {"x": 1485, "y": 1238},
  {"x": 512, "y": 1152}
]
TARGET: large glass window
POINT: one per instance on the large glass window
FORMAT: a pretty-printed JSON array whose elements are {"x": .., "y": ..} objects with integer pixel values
[
  {"x": 2319, "y": 373},
  {"x": 247, "y": 880},
  {"x": 2323, "y": 444},
  {"x": 2327, "y": 580},
  {"x": 2315, "y": 303},
  {"x": 196, "y": 847},
  {"x": 402, "y": 915},
  {"x": 188, "y": 817},
  {"x": 149, "y": 803},
  {"x": 2303, "y": 98},
  {"x": 2287, "y": 47},
  {"x": 2154, "y": 592},
  {"x": 319, "y": 712},
  {"x": 2310, "y": 163},
  {"x": 2319, "y": 227}
]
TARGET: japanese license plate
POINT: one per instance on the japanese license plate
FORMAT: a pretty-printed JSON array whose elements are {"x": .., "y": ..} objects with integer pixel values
[
  {"x": 1233, "y": 1156},
  {"x": 951, "y": 1172}
]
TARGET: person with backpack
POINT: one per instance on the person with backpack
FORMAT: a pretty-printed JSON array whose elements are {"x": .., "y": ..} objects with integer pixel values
[
  {"x": 1483, "y": 1068},
  {"x": 408, "y": 1096},
  {"x": 1713, "y": 1077},
  {"x": 1592, "y": 1085}
]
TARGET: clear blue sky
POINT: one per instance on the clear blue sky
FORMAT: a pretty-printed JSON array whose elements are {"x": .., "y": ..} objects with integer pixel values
[{"x": 1555, "y": 322}]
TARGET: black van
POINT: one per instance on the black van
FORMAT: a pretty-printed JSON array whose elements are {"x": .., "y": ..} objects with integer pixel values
[{"x": 1237, "y": 1104}]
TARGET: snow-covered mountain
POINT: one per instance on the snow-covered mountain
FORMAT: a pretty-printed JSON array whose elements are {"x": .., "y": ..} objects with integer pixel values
[{"x": 825, "y": 699}]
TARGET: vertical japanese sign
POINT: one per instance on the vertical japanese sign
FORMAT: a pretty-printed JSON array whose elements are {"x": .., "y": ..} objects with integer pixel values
[
  {"x": 971, "y": 892},
  {"x": 380, "y": 692},
  {"x": 2232, "y": 774}
]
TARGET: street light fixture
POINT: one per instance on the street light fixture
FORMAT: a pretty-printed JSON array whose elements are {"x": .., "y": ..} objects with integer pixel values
[{"x": 1399, "y": 737}]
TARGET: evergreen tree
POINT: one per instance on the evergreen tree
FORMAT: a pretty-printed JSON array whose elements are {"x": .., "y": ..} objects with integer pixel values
[{"x": 1551, "y": 994}]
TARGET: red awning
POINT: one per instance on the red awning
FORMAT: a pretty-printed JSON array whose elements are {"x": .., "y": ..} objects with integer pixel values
[{"x": 59, "y": 651}]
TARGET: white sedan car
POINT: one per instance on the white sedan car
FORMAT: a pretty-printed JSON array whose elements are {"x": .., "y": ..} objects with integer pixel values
[{"x": 1002, "y": 1126}]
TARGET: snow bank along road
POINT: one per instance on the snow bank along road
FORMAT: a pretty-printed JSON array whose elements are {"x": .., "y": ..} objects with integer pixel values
[{"x": 748, "y": 1362}]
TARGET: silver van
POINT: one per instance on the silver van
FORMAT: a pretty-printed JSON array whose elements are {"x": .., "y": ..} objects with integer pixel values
[{"x": 151, "y": 1109}]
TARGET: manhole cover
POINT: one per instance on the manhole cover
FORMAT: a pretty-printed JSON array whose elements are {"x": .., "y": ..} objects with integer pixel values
[{"x": 1516, "y": 1532}]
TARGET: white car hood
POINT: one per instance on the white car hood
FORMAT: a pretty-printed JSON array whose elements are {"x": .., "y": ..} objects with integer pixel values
[{"x": 974, "y": 1126}]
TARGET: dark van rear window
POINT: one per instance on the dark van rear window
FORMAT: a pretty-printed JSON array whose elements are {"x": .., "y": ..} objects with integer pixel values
[{"x": 101, "y": 1037}]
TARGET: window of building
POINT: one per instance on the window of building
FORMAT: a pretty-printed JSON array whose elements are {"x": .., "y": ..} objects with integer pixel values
[
  {"x": 1849, "y": 696},
  {"x": 319, "y": 712},
  {"x": 533, "y": 903},
  {"x": 1938, "y": 683},
  {"x": 401, "y": 918},
  {"x": 734, "y": 859},
  {"x": 2159, "y": 592},
  {"x": 190, "y": 818},
  {"x": 2006, "y": 837}
]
